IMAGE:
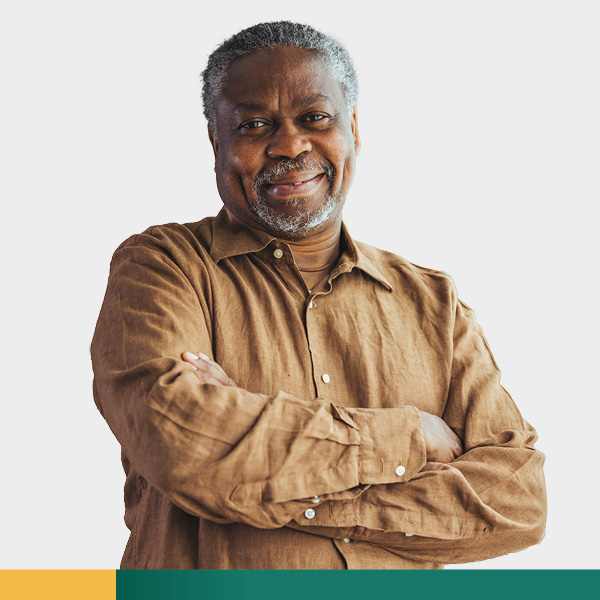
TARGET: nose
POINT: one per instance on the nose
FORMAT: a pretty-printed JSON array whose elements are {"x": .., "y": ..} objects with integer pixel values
[{"x": 288, "y": 141}]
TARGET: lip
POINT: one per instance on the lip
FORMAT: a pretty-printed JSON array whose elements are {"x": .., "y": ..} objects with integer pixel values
[{"x": 295, "y": 184}]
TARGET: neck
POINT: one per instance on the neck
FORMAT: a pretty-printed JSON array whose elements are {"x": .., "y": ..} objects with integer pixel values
[{"x": 318, "y": 252}]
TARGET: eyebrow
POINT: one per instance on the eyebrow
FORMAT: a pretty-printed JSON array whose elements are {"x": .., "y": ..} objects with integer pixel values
[
  {"x": 263, "y": 106},
  {"x": 311, "y": 99}
]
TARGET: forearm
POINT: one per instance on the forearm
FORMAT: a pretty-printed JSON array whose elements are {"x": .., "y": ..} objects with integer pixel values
[
  {"x": 489, "y": 502},
  {"x": 223, "y": 452}
]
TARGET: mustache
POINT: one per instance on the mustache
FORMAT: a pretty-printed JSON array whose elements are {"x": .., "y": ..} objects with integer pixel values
[{"x": 289, "y": 165}]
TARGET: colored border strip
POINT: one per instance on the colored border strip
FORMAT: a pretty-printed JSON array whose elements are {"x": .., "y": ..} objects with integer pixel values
[
  {"x": 58, "y": 585},
  {"x": 297, "y": 585},
  {"x": 367, "y": 585}
]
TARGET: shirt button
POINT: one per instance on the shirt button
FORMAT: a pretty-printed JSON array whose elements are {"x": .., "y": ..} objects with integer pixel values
[
  {"x": 325, "y": 378},
  {"x": 278, "y": 253},
  {"x": 400, "y": 470},
  {"x": 312, "y": 304},
  {"x": 346, "y": 540},
  {"x": 409, "y": 534},
  {"x": 309, "y": 513},
  {"x": 316, "y": 499}
]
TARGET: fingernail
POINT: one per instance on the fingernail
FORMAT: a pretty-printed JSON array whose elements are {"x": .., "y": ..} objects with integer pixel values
[
  {"x": 192, "y": 355},
  {"x": 203, "y": 356}
]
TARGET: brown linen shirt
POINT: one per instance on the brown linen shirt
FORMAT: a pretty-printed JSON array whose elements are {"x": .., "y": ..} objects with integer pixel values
[{"x": 317, "y": 459}]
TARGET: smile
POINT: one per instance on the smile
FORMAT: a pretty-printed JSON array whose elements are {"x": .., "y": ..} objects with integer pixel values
[{"x": 292, "y": 185}]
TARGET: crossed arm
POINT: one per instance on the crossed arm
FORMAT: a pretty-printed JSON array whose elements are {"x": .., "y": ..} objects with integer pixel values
[
  {"x": 442, "y": 445},
  {"x": 229, "y": 455},
  {"x": 411, "y": 520}
]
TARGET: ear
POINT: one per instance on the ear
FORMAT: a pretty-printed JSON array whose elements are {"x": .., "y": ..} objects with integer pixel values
[
  {"x": 214, "y": 143},
  {"x": 354, "y": 127}
]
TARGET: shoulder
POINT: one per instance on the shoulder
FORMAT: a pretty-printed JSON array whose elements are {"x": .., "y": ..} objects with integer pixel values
[
  {"x": 172, "y": 251},
  {"x": 172, "y": 236},
  {"x": 171, "y": 242},
  {"x": 410, "y": 279}
]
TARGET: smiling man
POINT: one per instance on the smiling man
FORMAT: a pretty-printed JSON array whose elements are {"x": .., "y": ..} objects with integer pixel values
[
  {"x": 286, "y": 397},
  {"x": 286, "y": 160}
]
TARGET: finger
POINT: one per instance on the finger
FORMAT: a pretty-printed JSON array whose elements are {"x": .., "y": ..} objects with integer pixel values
[
  {"x": 190, "y": 358},
  {"x": 457, "y": 445},
  {"x": 210, "y": 361},
  {"x": 215, "y": 365},
  {"x": 208, "y": 367},
  {"x": 201, "y": 363},
  {"x": 207, "y": 378},
  {"x": 201, "y": 369},
  {"x": 214, "y": 369}
]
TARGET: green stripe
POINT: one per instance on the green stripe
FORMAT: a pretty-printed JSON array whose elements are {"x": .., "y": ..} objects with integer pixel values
[{"x": 366, "y": 585}]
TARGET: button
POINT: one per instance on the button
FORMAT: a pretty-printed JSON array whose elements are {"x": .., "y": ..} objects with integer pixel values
[
  {"x": 316, "y": 499},
  {"x": 312, "y": 304},
  {"x": 325, "y": 378},
  {"x": 309, "y": 513},
  {"x": 278, "y": 253},
  {"x": 346, "y": 540},
  {"x": 400, "y": 470},
  {"x": 409, "y": 534}
]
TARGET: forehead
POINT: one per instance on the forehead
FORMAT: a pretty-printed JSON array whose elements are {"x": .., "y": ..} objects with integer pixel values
[{"x": 281, "y": 75}]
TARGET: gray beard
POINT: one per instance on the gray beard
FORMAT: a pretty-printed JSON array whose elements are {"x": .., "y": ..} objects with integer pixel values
[
  {"x": 304, "y": 221},
  {"x": 298, "y": 225}
]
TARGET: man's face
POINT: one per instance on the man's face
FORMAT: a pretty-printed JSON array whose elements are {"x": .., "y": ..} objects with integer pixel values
[{"x": 286, "y": 146}]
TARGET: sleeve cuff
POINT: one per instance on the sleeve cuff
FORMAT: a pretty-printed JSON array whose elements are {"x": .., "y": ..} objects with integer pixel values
[{"x": 392, "y": 444}]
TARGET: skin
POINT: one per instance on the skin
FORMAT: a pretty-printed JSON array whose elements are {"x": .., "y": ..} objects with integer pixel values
[
  {"x": 280, "y": 104},
  {"x": 283, "y": 104}
]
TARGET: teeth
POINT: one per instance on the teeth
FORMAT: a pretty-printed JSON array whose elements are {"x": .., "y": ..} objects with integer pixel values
[{"x": 291, "y": 182}]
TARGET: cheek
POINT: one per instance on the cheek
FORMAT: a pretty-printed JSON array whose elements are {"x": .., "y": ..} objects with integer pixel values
[
  {"x": 232, "y": 172},
  {"x": 348, "y": 175},
  {"x": 345, "y": 165},
  {"x": 343, "y": 148},
  {"x": 238, "y": 165}
]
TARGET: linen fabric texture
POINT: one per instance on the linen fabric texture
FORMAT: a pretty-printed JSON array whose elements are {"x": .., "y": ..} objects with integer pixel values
[{"x": 324, "y": 415}]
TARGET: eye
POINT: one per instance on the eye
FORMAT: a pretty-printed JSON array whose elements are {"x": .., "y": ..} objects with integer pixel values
[
  {"x": 317, "y": 121},
  {"x": 252, "y": 125},
  {"x": 316, "y": 117}
]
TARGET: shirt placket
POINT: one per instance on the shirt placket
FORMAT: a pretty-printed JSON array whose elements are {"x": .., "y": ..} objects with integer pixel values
[
  {"x": 279, "y": 255},
  {"x": 322, "y": 371},
  {"x": 326, "y": 376}
]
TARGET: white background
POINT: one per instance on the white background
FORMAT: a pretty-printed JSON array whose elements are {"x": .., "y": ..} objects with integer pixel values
[{"x": 481, "y": 146}]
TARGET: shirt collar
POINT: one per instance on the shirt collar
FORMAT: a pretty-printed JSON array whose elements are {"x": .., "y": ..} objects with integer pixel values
[
  {"x": 362, "y": 261},
  {"x": 234, "y": 239}
]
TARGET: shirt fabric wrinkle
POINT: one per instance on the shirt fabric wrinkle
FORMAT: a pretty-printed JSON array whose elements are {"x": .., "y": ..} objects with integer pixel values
[{"x": 326, "y": 405}]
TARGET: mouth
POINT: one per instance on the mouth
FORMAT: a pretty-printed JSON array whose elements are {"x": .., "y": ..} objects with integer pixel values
[{"x": 294, "y": 184}]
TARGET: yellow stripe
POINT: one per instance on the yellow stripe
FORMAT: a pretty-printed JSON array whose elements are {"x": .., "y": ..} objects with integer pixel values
[{"x": 58, "y": 585}]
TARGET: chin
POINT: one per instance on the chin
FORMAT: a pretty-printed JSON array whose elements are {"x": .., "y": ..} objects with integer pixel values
[{"x": 298, "y": 225}]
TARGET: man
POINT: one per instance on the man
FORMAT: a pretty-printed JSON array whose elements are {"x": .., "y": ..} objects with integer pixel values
[{"x": 286, "y": 397}]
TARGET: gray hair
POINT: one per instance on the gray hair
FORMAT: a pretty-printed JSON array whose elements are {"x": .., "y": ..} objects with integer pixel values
[{"x": 268, "y": 35}]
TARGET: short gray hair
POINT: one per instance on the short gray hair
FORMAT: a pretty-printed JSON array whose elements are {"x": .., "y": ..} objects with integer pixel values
[{"x": 268, "y": 35}]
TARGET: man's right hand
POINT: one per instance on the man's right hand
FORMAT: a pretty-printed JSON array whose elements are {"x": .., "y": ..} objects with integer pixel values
[
  {"x": 441, "y": 443},
  {"x": 208, "y": 370}
]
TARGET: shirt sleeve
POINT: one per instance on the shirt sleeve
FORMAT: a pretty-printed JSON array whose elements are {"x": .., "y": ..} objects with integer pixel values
[
  {"x": 489, "y": 501},
  {"x": 218, "y": 452}
]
